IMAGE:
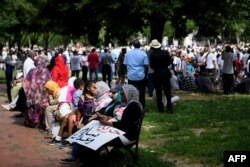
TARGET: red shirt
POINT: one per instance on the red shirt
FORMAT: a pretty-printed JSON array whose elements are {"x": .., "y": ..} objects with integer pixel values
[
  {"x": 238, "y": 66},
  {"x": 93, "y": 60}
]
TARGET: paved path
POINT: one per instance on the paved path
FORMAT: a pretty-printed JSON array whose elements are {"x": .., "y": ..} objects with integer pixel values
[{"x": 24, "y": 147}]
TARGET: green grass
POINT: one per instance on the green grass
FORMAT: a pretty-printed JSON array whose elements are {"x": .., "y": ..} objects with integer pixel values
[
  {"x": 2, "y": 77},
  {"x": 199, "y": 130}
]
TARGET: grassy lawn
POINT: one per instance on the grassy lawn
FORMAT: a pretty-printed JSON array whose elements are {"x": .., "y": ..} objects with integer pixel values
[
  {"x": 198, "y": 133},
  {"x": 2, "y": 77}
]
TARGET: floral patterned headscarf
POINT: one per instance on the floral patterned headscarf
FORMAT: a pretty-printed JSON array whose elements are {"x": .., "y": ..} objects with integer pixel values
[{"x": 40, "y": 63}]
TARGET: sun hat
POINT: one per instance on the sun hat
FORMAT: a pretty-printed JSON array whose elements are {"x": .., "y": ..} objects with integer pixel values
[{"x": 155, "y": 44}]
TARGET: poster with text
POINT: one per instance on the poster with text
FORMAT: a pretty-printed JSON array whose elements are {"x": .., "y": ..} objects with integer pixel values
[{"x": 94, "y": 135}]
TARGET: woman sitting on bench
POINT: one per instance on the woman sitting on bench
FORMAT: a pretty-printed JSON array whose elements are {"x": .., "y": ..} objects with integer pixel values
[{"x": 127, "y": 119}]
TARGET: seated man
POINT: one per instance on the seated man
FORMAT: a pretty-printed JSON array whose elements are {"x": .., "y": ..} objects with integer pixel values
[{"x": 204, "y": 83}]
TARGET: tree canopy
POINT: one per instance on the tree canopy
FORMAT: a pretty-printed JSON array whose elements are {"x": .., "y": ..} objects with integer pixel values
[{"x": 120, "y": 20}]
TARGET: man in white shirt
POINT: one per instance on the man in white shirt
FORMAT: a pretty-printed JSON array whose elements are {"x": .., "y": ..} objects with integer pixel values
[
  {"x": 228, "y": 70},
  {"x": 211, "y": 61},
  {"x": 29, "y": 63},
  {"x": 244, "y": 61}
]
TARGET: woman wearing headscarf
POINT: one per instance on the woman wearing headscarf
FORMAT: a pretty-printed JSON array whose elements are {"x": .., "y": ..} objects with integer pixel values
[
  {"x": 60, "y": 72},
  {"x": 130, "y": 116},
  {"x": 129, "y": 123},
  {"x": 54, "y": 93},
  {"x": 36, "y": 94},
  {"x": 103, "y": 95}
]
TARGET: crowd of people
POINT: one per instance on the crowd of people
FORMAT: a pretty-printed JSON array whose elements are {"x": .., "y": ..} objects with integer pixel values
[{"x": 52, "y": 96}]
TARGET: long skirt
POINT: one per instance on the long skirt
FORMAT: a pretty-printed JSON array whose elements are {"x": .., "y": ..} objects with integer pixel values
[{"x": 34, "y": 116}]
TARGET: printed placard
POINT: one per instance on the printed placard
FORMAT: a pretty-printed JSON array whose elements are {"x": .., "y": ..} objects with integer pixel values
[{"x": 94, "y": 135}]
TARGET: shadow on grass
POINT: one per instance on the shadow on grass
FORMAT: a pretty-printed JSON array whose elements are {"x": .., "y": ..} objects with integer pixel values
[{"x": 147, "y": 158}]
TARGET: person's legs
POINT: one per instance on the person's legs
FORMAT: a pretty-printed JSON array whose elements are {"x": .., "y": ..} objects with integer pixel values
[
  {"x": 74, "y": 154},
  {"x": 49, "y": 117},
  {"x": 91, "y": 71},
  {"x": 71, "y": 124},
  {"x": 158, "y": 91},
  {"x": 226, "y": 83},
  {"x": 167, "y": 91},
  {"x": 230, "y": 83},
  {"x": 8, "y": 77},
  {"x": 150, "y": 84},
  {"x": 140, "y": 85},
  {"x": 96, "y": 74},
  {"x": 84, "y": 73},
  {"x": 73, "y": 73},
  {"x": 104, "y": 73},
  {"x": 77, "y": 73},
  {"x": 109, "y": 71},
  {"x": 63, "y": 125}
]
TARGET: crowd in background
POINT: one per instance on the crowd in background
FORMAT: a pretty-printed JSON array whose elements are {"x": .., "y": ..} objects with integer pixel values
[{"x": 61, "y": 88}]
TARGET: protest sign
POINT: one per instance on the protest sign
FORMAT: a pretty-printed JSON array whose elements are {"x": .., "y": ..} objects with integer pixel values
[{"x": 94, "y": 135}]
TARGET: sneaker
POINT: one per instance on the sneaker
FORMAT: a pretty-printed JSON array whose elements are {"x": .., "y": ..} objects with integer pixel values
[
  {"x": 54, "y": 142},
  {"x": 19, "y": 115},
  {"x": 43, "y": 131},
  {"x": 6, "y": 106},
  {"x": 68, "y": 160},
  {"x": 66, "y": 146}
]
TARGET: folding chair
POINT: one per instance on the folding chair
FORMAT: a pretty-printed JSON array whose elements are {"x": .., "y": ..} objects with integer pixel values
[{"x": 133, "y": 153}]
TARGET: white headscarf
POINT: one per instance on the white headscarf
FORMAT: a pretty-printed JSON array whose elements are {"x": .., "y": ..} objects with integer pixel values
[{"x": 102, "y": 96}]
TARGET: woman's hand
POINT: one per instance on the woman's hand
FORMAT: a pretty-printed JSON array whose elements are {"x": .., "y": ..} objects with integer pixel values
[
  {"x": 44, "y": 105},
  {"x": 79, "y": 125},
  {"x": 105, "y": 122}
]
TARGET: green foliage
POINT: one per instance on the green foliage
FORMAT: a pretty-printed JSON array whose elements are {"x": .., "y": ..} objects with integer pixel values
[
  {"x": 168, "y": 29},
  {"x": 120, "y": 20},
  {"x": 200, "y": 130}
]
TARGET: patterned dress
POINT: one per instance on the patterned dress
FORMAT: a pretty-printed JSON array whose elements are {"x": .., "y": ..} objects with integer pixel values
[{"x": 35, "y": 92}]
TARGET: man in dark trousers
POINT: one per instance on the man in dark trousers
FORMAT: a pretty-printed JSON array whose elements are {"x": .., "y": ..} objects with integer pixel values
[
  {"x": 159, "y": 62},
  {"x": 228, "y": 70},
  {"x": 10, "y": 65},
  {"x": 136, "y": 62}
]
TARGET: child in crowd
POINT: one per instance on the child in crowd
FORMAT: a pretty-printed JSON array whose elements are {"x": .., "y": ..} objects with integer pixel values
[{"x": 83, "y": 104}]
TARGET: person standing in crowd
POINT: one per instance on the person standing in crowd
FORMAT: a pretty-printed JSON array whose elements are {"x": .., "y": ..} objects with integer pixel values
[
  {"x": 136, "y": 62},
  {"x": 75, "y": 64},
  {"x": 159, "y": 62},
  {"x": 36, "y": 94},
  {"x": 106, "y": 60},
  {"x": 228, "y": 70},
  {"x": 29, "y": 63},
  {"x": 238, "y": 66},
  {"x": 93, "y": 60},
  {"x": 9, "y": 68},
  {"x": 121, "y": 68},
  {"x": 244, "y": 60},
  {"x": 60, "y": 72},
  {"x": 85, "y": 65},
  {"x": 150, "y": 76}
]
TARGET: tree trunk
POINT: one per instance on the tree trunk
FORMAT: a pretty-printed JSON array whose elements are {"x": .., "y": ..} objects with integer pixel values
[
  {"x": 46, "y": 40},
  {"x": 157, "y": 23},
  {"x": 237, "y": 35}
]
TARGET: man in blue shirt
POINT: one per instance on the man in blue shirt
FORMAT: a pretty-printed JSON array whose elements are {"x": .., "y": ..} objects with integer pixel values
[{"x": 136, "y": 62}]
